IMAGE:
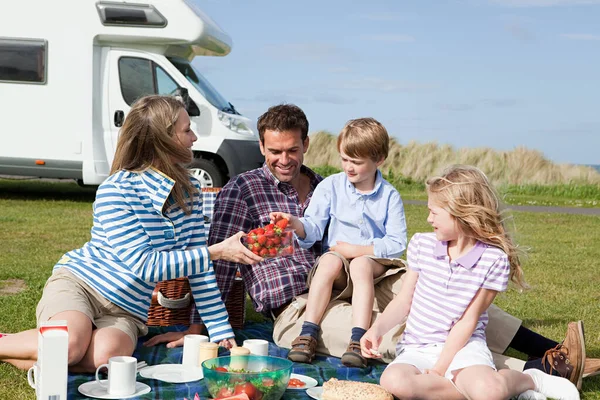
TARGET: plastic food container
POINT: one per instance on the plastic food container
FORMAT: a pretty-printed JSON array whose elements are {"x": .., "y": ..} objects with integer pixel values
[
  {"x": 263, "y": 378},
  {"x": 270, "y": 243}
]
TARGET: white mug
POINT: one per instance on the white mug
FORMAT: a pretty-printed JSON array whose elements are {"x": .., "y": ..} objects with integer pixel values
[
  {"x": 121, "y": 375},
  {"x": 191, "y": 349},
  {"x": 258, "y": 347},
  {"x": 33, "y": 375}
]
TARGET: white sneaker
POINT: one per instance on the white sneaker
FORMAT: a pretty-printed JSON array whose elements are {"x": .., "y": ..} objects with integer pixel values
[
  {"x": 531, "y": 395},
  {"x": 553, "y": 386}
]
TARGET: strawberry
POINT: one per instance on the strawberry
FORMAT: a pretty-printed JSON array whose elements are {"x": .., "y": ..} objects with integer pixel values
[
  {"x": 273, "y": 251},
  {"x": 269, "y": 227},
  {"x": 261, "y": 239},
  {"x": 260, "y": 231},
  {"x": 286, "y": 251},
  {"x": 282, "y": 223},
  {"x": 250, "y": 239},
  {"x": 263, "y": 252}
]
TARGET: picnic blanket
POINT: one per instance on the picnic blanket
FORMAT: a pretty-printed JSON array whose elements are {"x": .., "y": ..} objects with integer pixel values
[{"x": 322, "y": 368}]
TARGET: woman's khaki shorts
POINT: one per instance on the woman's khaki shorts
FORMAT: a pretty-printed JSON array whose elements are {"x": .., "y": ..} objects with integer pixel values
[
  {"x": 342, "y": 286},
  {"x": 66, "y": 292}
]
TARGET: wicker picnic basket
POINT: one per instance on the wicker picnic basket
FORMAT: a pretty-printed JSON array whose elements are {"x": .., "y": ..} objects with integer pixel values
[
  {"x": 172, "y": 300},
  {"x": 172, "y": 303}
]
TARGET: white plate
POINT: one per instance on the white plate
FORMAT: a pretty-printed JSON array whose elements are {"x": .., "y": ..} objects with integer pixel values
[
  {"x": 172, "y": 373},
  {"x": 309, "y": 382},
  {"x": 315, "y": 392},
  {"x": 93, "y": 389}
]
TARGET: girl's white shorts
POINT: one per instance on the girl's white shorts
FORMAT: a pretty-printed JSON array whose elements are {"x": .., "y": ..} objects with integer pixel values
[{"x": 475, "y": 352}]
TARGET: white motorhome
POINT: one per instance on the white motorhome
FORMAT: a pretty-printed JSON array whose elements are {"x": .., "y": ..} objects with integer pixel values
[{"x": 70, "y": 70}]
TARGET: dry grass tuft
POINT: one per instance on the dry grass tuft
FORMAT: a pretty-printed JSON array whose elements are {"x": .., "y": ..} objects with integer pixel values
[{"x": 420, "y": 161}]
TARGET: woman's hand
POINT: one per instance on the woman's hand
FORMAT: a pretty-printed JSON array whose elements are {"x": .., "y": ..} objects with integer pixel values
[
  {"x": 232, "y": 249},
  {"x": 174, "y": 339},
  {"x": 228, "y": 343},
  {"x": 369, "y": 344}
]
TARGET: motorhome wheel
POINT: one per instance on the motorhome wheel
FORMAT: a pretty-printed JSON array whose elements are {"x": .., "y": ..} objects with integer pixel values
[{"x": 207, "y": 173}]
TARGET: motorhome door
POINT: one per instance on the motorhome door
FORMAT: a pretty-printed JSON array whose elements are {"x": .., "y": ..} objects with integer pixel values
[{"x": 131, "y": 75}]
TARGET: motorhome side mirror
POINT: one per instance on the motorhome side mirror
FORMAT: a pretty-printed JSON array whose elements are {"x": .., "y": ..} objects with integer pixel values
[{"x": 191, "y": 107}]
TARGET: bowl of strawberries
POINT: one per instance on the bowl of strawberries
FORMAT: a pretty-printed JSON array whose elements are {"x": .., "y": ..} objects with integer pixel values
[{"x": 271, "y": 240}]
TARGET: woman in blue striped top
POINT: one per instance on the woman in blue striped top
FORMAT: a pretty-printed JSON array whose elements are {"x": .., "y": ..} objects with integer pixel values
[{"x": 148, "y": 227}]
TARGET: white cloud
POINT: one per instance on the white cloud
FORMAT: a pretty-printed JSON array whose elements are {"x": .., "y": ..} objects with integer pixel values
[
  {"x": 543, "y": 3},
  {"x": 580, "y": 36},
  {"x": 392, "y": 37}
]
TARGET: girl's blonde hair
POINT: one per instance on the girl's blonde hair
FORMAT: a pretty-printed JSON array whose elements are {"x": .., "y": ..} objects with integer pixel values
[
  {"x": 147, "y": 139},
  {"x": 467, "y": 194}
]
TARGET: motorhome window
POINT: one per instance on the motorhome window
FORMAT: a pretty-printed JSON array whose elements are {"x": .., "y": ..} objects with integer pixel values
[
  {"x": 130, "y": 15},
  {"x": 202, "y": 84},
  {"x": 140, "y": 77},
  {"x": 136, "y": 77},
  {"x": 23, "y": 60},
  {"x": 164, "y": 83}
]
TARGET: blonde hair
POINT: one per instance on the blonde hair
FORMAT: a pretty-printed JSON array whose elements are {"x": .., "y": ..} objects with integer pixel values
[
  {"x": 147, "y": 140},
  {"x": 466, "y": 193},
  {"x": 364, "y": 138}
]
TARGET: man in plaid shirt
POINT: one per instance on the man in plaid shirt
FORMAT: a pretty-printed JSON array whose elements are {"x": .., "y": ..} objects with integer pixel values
[{"x": 282, "y": 184}]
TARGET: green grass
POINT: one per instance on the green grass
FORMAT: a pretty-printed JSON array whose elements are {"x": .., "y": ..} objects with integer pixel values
[
  {"x": 40, "y": 221},
  {"x": 568, "y": 195}
]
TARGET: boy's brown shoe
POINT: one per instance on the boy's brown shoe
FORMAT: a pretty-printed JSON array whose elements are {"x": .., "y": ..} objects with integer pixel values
[{"x": 575, "y": 344}]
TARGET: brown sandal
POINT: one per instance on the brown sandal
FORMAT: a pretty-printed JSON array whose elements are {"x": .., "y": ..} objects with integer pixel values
[
  {"x": 353, "y": 356},
  {"x": 303, "y": 349}
]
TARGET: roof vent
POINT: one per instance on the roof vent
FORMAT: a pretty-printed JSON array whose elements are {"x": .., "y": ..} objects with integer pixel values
[{"x": 127, "y": 14}]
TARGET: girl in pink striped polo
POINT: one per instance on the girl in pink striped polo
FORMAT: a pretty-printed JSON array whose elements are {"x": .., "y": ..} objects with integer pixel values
[{"x": 454, "y": 274}]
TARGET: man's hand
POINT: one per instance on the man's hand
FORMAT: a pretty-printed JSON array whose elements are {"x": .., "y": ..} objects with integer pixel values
[{"x": 350, "y": 251}]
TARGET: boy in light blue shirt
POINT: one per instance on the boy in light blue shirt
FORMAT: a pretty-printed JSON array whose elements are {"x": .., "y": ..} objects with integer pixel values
[{"x": 366, "y": 232}]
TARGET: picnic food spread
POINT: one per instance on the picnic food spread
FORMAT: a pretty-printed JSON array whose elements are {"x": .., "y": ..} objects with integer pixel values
[
  {"x": 335, "y": 389},
  {"x": 272, "y": 240}
]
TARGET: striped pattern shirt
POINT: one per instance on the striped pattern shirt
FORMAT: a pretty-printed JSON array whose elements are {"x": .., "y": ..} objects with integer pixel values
[
  {"x": 445, "y": 288},
  {"x": 244, "y": 204},
  {"x": 134, "y": 245}
]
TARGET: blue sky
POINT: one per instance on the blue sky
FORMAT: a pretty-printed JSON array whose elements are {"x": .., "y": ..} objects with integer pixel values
[{"x": 470, "y": 73}]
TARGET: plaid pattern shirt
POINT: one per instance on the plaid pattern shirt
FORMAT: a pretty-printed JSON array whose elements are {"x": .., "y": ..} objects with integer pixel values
[{"x": 244, "y": 204}]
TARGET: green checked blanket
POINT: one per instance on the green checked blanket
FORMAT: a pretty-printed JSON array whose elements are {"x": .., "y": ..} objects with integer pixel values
[{"x": 322, "y": 368}]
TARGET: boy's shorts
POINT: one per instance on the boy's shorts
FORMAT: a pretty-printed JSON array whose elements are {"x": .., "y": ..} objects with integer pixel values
[
  {"x": 66, "y": 292},
  {"x": 475, "y": 352},
  {"x": 342, "y": 286}
]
